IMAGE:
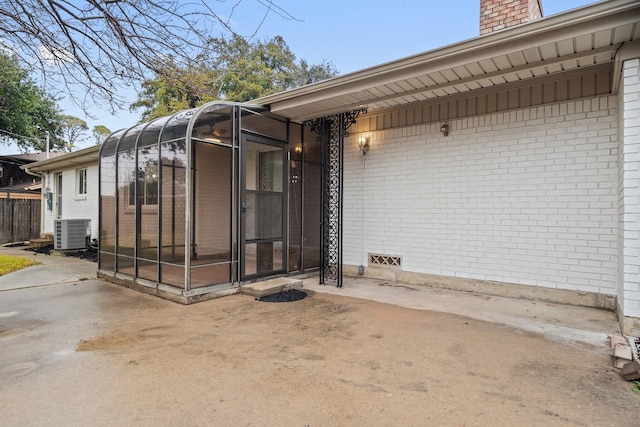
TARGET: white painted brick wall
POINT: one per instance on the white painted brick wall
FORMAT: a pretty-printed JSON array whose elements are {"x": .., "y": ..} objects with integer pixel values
[
  {"x": 629, "y": 189},
  {"x": 74, "y": 206},
  {"x": 527, "y": 196}
]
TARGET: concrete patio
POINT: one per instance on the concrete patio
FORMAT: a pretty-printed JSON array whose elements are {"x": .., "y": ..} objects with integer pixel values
[{"x": 80, "y": 351}]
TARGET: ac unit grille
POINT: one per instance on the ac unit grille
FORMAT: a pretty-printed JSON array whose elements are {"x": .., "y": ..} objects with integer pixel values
[{"x": 71, "y": 233}]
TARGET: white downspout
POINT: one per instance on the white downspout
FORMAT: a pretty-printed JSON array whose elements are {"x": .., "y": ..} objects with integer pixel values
[{"x": 43, "y": 195}]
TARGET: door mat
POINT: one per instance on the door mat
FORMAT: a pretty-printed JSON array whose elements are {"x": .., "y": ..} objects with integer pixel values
[{"x": 284, "y": 296}]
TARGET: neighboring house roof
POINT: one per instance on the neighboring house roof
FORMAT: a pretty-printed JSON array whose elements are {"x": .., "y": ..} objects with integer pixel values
[
  {"x": 74, "y": 159},
  {"x": 25, "y": 186},
  {"x": 34, "y": 187},
  {"x": 578, "y": 42},
  {"x": 22, "y": 159}
]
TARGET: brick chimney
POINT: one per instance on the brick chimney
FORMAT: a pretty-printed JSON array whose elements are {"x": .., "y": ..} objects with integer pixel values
[{"x": 497, "y": 15}]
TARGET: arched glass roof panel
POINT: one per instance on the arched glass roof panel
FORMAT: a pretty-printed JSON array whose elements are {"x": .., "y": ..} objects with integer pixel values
[
  {"x": 111, "y": 143},
  {"x": 150, "y": 134},
  {"x": 213, "y": 124},
  {"x": 128, "y": 141},
  {"x": 176, "y": 127}
]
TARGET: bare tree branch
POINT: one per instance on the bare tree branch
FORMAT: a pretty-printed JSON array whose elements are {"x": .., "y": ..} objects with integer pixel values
[{"x": 92, "y": 48}]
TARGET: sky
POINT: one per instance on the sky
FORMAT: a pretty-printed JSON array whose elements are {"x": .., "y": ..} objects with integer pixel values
[{"x": 352, "y": 34}]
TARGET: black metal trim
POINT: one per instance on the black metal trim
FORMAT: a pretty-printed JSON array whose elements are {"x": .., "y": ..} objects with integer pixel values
[{"x": 332, "y": 130}]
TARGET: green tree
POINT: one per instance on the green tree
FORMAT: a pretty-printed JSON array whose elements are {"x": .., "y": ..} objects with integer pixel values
[
  {"x": 73, "y": 130},
  {"x": 26, "y": 111},
  {"x": 231, "y": 69},
  {"x": 308, "y": 74},
  {"x": 176, "y": 88},
  {"x": 100, "y": 133},
  {"x": 248, "y": 71}
]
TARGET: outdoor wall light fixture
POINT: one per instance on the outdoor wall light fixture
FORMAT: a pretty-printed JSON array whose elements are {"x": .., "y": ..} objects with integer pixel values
[
  {"x": 363, "y": 143},
  {"x": 444, "y": 129},
  {"x": 298, "y": 149}
]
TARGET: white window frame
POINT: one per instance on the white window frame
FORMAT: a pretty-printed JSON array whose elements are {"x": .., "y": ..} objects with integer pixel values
[
  {"x": 58, "y": 188},
  {"x": 81, "y": 182}
]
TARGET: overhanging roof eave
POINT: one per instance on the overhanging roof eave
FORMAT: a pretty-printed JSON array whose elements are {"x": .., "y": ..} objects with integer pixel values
[
  {"x": 81, "y": 157},
  {"x": 574, "y": 23}
]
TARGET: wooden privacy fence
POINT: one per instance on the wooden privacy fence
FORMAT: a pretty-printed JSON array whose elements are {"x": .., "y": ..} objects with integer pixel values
[{"x": 19, "y": 220}]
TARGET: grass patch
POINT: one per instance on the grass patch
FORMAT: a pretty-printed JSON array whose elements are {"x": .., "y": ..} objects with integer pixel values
[{"x": 10, "y": 263}]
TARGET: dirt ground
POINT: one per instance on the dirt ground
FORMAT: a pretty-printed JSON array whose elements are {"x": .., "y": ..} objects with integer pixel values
[{"x": 92, "y": 353}]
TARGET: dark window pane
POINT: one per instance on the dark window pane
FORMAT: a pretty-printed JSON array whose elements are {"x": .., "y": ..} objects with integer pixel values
[
  {"x": 269, "y": 216},
  {"x": 263, "y": 125},
  {"x": 125, "y": 265},
  {"x": 108, "y": 204},
  {"x": 212, "y": 203},
  {"x": 126, "y": 210},
  {"x": 173, "y": 189},
  {"x": 250, "y": 254},
  {"x": 312, "y": 199},
  {"x": 264, "y": 258},
  {"x": 295, "y": 197},
  {"x": 210, "y": 275},
  {"x": 107, "y": 261},
  {"x": 172, "y": 275},
  {"x": 250, "y": 215},
  {"x": 148, "y": 270}
]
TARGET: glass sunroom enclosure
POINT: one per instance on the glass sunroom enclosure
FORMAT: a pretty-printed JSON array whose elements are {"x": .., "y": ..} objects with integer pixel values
[{"x": 194, "y": 204}]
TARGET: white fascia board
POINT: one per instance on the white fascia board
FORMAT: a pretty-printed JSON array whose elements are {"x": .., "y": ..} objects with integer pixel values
[{"x": 86, "y": 156}]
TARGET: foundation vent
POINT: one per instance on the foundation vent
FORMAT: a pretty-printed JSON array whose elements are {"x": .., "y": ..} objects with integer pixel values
[{"x": 388, "y": 261}]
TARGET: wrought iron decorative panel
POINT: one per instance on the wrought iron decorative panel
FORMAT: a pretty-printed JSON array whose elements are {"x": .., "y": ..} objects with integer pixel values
[{"x": 333, "y": 130}]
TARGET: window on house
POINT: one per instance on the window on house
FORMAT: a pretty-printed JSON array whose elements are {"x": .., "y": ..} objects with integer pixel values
[
  {"x": 58, "y": 184},
  {"x": 82, "y": 181},
  {"x": 147, "y": 186}
]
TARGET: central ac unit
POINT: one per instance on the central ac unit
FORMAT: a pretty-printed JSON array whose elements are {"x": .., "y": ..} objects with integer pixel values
[{"x": 71, "y": 233}]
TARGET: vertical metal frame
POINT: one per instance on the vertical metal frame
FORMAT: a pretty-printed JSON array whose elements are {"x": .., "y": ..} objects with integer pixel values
[
  {"x": 138, "y": 209},
  {"x": 117, "y": 203},
  {"x": 234, "y": 271},
  {"x": 160, "y": 199},
  {"x": 237, "y": 150},
  {"x": 100, "y": 219},
  {"x": 235, "y": 117},
  {"x": 283, "y": 145},
  {"x": 301, "y": 201},
  {"x": 285, "y": 207},
  {"x": 302, "y": 197},
  {"x": 189, "y": 209},
  {"x": 241, "y": 136}
]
